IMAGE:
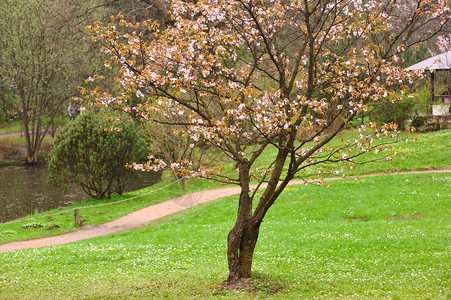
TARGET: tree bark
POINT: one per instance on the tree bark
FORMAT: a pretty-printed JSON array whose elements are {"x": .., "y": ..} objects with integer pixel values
[
  {"x": 243, "y": 236},
  {"x": 242, "y": 240},
  {"x": 33, "y": 145}
]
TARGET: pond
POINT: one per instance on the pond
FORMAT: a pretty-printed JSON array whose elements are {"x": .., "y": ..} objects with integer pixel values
[{"x": 25, "y": 190}]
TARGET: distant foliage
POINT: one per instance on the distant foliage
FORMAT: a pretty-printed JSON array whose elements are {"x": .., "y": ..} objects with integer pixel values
[
  {"x": 423, "y": 100},
  {"x": 7, "y": 101},
  {"x": 93, "y": 151}
]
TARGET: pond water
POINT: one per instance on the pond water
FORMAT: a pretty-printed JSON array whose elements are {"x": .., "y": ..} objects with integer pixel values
[{"x": 25, "y": 190}]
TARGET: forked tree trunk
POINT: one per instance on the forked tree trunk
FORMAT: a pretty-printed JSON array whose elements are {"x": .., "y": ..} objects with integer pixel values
[
  {"x": 241, "y": 245},
  {"x": 32, "y": 158},
  {"x": 242, "y": 238},
  {"x": 33, "y": 146}
]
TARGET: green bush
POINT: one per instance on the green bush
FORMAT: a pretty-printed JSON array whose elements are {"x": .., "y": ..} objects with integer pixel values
[
  {"x": 2, "y": 116},
  {"x": 389, "y": 111},
  {"x": 93, "y": 151},
  {"x": 423, "y": 100}
]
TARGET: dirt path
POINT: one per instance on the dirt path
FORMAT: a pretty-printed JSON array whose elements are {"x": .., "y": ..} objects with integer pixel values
[
  {"x": 3, "y": 135},
  {"x": 10, "y": 134},
  {"x": 146, "y": 215}
]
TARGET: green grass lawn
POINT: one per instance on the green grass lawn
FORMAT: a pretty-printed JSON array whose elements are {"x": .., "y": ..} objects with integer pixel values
[
  {"x": 378, "y": 237},
  {"x": 11, "y": 126},
  {"x": 384, "y": 237},
  {"x": 19, "y": 141},
  {"x": 429, "y": 151},
  {"x": 17, "y": 126}
]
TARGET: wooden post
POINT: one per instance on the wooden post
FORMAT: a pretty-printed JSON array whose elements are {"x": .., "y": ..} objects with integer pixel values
[
  {"x": 432, "y": 90},
  {"x": 77, "y": 217},
  {"x": 184, "y": 187}
]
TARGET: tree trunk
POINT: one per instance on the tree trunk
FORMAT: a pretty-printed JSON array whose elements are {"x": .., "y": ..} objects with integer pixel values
[
  {"x": 243, "y": 236},
  {"x": 33, "y": 146},
  {"x": 241, "y": 245},
  {"x": 32, "y": 158}
]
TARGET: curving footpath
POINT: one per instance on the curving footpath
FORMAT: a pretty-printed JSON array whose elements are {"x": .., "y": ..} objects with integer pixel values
[{"x": 146, "y": 215}]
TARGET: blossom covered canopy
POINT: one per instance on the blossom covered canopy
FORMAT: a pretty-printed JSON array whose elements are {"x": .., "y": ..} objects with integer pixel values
[{"x": 267, "y": 71}]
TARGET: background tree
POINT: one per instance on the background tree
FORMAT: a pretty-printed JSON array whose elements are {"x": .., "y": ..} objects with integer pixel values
[
  {"x": 93, "y": 151},
  {"x": 44, "y": 56},
  {"x": 253, "y": 75},
  {"x": 175, "y": 146},
  {"x": 140, "y": 10}
]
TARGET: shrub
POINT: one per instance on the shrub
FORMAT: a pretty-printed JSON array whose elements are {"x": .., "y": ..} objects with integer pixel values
[
  {"x": 388, "y": 111},
  {"x": 93, "y": 151}
]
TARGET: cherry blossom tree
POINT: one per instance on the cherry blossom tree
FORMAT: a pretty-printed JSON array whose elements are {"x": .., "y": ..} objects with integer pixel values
[
  {"x": 443, "y": 44},
  {"x": 254, "y": 75}
]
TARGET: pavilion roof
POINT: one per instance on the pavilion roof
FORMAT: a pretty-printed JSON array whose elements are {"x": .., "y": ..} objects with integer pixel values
[{"x": 438, "y": 62}]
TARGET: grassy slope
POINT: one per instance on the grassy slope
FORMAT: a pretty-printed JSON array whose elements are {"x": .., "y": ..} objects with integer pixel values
[
  {"x": 380, "y": 237},
  {"x": 16, "y": 125},
  {"x": 11, "y": 126},
  {"x": 429, "y": 151}
]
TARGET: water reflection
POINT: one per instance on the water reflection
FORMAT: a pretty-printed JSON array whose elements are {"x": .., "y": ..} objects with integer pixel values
[{"x": 24, "y": 190}]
